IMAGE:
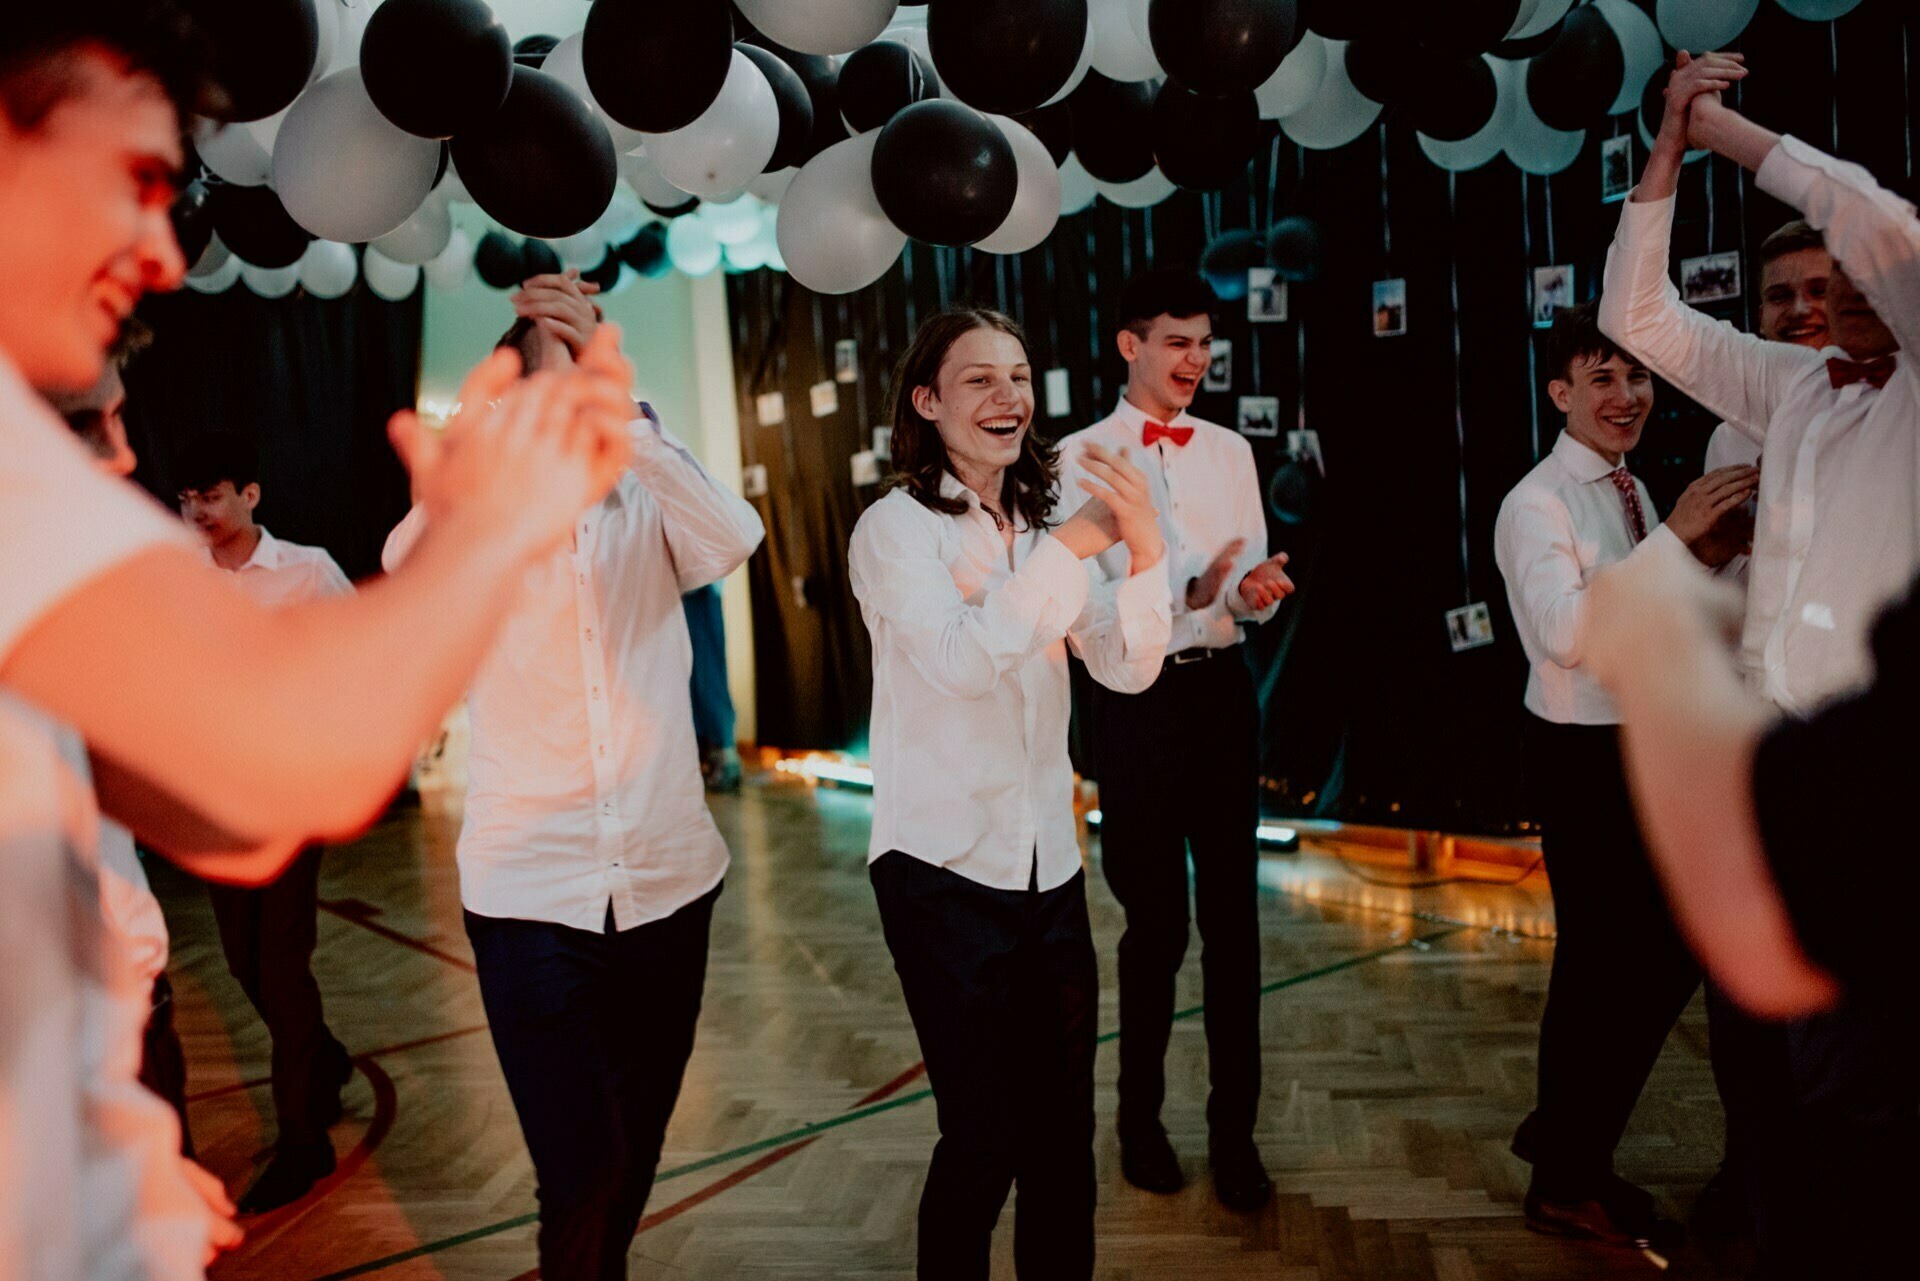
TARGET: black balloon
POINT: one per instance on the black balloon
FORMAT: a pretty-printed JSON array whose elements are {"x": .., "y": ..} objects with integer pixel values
[
  {"x": 1227, "y": 260},
  {"x": 878, "y": 82},
  {"x": 256, "y": 226},
  {"x": 1006, "y": 56},
  {"x": 1203, "y": 143},
  {"x": 670, "y": 212},
  {"x": 944, "y": 173},
  {"x": 1457, "y": 101},
  {"x": 543, "y": 165},
  {"x": 538, "y": 258},
  {"x": 262, "y": 51},
  {"x": 1351, "y": 19},
  {"x": 499, "y": 261},
  {"x": 193, "y": 220},
  {"x": 656, "y": 67},
  {"x": 1465, "y": 26},
  {"x": 1653, "y": 100},
  {"x": 1294, "y": 248},
  {"x": 1572, "y": 84},
  {"x": 795, "y": 104},
  {"x": 436, "y": 67},
  {"x": 646, "y": 253},
  {"x": 1521, "y": 50},
  {"x": 821, "y": 76},
  {"x": 1053, "y": 126},
  {"x": 1389, "y": 68},
  {"x": 532, "y": 51},
  {"x": 1111, "y": 123},
  {"x": 607, "y": 274},
  {"x": 1223, "y": 46}
]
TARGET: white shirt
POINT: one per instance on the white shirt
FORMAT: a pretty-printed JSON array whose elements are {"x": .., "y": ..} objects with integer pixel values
[
  {"x": 970, "y": 684},
  {"x": 281, "y": 573},
  {"x": 1838, "y": 530},
  {"x": 1563, "y": 523},
  {"x": 91, "y": 1181},
  {"x": 1207, "y": 492},
  {"x": 584, "y": 778}
]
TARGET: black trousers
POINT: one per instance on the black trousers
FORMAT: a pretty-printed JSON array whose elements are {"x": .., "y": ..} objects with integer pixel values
[
  {"x": 163, "y": 1063},
  {"x": 268, "y": 936},
  {"x": 1004, "y": 992},
  {"x": 1621, "y": 973},
  {"x": 593, "y": 1031},
  {"x": 1180, "y": 775}
]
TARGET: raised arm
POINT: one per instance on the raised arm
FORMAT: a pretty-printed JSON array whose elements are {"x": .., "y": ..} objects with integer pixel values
[
  {"x": 298, "y": 723},
  {"x": 1739, "y": 376},
  {"x": 710, "y": 530}
]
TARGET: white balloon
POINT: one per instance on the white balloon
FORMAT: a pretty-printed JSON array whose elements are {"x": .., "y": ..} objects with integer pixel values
[
  {"x": 820, "y": 26},
  {"x": 233, "y": 152},
  {"x": 1149, "y": 189},
  {"x": 770, "y": 187},
  {"x": 1700, "y": 26},
  {"x": 451, "y": 270},
  {"x": 328, "y": 269},
  {"x": 691, "y": 247},
  {"x": 1137, "y": 16},
  {"x": 451, "y": 189},
  {"x": 1532, "y": 144},
  {"x": 1337, "y": 113},
  {"x": 732, "y": 224},
  {"x": 1819, "y": 10},
  {"x": 352, "y": 17},
  {"x": 219, "y": 280},
  {"x": 748, "y": 256},
  {"x": 1536, "y": 16},
  {"x": 343, "y": 170},
  {"x": 393, "y": 281},
  {"x": 649, "y": 185},
  {"x": 833, "y": 235},
  {"x": 422, "y": 236},
  {"x": 1036, "y": 202},
  {"x": 730, "y": 144},
  {"x": 1292, "y": 86},
  {"x": 1077, "y": 191},
  {"x": 1080, "y": 69},
  {"x": 623, "y": 219},
  {"x": 1471, "y": 153},
  {"x": 212, "y": 258},
  {"x": 1118, "y": 53},
  {"x": 582, "y": 252},
  {"x": 564, "y": 65},
  {"x": 271, "y": 282},
  {"x": 1640, "y": 41}
]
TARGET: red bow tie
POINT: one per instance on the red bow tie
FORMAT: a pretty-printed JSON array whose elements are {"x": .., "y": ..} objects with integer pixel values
[
  {"x": 1842, "y": 373},
  {"x": 1178, "y": 435}
]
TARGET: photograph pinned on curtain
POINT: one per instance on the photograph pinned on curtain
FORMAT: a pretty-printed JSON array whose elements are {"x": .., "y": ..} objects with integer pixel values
[
  {"x": 753, "y": 481},
  {"x": 1259, "y": 416},
  {"x": 1552, "y": 290},
  {"x": 1616, "y": 168},
  {"x": 1304, "y": 445},
  {"x": 1266, "y": 296},
  {"x": 1710, "y": 277},
  {"x": 1389, "y": 308},
  {"x": 826, "y": 399},
  {"x": 1470, "y": 626},
  {"x": 846, "y": 361},
  {"x": 1220, "y": 371},
  {"x": 866, "y": 469},
  {"x": 883, "y": 444},
  {"x": 1059, "y": 393},
  {"x": 770, "y": 407}
]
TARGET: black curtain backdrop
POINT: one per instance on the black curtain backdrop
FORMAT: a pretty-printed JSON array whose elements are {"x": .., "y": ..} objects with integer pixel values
[
  {"x": 1368, "y": 713},
  {"x": 313, "y": 381}
]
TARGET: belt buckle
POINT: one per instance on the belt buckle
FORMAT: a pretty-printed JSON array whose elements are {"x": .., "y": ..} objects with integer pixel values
[{"x": 1187, "y": 656}]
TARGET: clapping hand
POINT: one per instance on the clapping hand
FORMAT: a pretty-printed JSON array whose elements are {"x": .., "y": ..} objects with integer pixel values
[
  {"x": 1125, "y": 499},
  {"x": 1266, "y": 584}
]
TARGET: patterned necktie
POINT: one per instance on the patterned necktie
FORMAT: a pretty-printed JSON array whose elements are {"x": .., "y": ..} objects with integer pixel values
[
  {"x": 1160, "y": 431},
  {"x": 1630, "y": 498}
]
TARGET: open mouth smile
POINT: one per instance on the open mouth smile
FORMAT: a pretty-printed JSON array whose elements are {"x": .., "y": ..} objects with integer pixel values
[{"x": 1005, "y": 428}]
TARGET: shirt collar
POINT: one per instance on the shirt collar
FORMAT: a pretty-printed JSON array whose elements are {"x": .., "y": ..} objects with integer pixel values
[
  {"x": 950, "y": 487},
  {"x": 266, "y": 553},
  {"x": 1134, "y": 419},
  {"x": 1580, "y": 460}
]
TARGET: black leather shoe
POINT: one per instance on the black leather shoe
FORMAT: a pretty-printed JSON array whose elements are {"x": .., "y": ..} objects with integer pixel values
[
  {"x": 1240, "y": 1179},
  {"x": 1148, "y": 1160},
  {"x": 289, "y": 1176},
  {"x": 1616, "y": 1213}
]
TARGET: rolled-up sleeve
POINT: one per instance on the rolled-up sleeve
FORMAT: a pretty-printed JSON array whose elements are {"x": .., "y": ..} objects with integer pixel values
[
  {"x": 710, "y": 530},
  {"x": 961, "y": 648}
]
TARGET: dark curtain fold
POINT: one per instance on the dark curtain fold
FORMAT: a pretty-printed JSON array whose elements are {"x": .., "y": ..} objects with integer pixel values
[
  {"x": 312, "y": 381},
  {"x": 1368, "y": 714}
]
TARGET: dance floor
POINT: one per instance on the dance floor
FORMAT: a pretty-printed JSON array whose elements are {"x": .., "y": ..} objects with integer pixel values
[{"x": 1399, "y": 1049}]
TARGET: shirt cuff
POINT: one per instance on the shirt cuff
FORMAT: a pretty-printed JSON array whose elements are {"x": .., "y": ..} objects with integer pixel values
[
  {"x": 1647, "y": 223},
  {"x": 1144, "y": 606},
  {"x": 1790, "y": 170},
  {"x": 1664, "y": 542}
]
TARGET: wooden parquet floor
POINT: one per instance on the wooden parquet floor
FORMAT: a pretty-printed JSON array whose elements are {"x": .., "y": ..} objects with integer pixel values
[{"x": 1399, "y": 1053}]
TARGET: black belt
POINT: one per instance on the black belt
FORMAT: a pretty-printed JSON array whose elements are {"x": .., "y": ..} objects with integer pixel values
[{"x": 1198, "y": 655}]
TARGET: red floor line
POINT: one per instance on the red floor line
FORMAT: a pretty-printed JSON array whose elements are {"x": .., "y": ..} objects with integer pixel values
[
  {"x": 335, "y": 908},
  {"x": 894, "y": 1086},
  {"x": 255, "y": 1083}
]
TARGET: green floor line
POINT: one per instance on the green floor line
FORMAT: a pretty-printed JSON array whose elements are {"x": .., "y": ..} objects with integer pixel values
[{"x": 815, "y": 1128}]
